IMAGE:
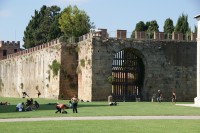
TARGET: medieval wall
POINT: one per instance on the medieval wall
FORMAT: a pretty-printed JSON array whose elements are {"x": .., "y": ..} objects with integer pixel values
[
  {"x": 30, "y": 71},
  {"x": 169, "y": 65},
  {"x": 85, "y": 69},
  {"x": 68, "y": 71}
]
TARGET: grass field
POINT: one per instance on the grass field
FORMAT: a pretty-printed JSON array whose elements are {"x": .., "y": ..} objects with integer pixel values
[
  {"x": 105, "y": 126},
  {"x": 101, "y": 109}
]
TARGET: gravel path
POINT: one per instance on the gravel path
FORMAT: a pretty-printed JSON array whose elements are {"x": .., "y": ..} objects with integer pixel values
[{"x": 103, "y": 118}]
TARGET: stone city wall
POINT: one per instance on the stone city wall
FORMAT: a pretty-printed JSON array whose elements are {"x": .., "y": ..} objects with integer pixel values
[
  {"x": 85, "y": 65},
  {"x": 169, "y": 65},
  {"x": 29, "y": 71}
]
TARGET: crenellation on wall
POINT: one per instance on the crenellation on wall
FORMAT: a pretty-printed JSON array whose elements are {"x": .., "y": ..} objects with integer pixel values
[
  {"x": 34, "y": 49},
  {"x": 86, "y": 65},
  {"x": 177, "y": 36},
  {"x": 10, "y": 44}
]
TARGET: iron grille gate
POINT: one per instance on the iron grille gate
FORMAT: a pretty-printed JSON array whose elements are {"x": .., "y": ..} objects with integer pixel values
[{"x": 128, "y": 73}]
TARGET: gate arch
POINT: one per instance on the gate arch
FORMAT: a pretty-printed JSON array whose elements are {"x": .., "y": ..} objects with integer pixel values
[{"x": 128, "y": 73}]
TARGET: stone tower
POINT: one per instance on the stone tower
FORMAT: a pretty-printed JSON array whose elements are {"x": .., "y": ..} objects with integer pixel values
[{"x": 8, "y": 47}]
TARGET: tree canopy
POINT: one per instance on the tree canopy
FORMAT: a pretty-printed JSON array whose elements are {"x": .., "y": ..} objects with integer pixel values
[
  {"x": 182, "y": 24},
  {"x": 50, "y": 23},
  {"x": 140, "y": 26},
  {"x": 74, "y": 22},
  {"x": 168, "y": 26},
  {"x": 42, "y": 27},
  {"x": 152, "y": 26},
  {"x": 149, "y": 27}
]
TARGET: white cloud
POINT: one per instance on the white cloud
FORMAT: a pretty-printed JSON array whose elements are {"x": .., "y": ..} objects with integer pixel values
[{"x": 5, "y": 13}]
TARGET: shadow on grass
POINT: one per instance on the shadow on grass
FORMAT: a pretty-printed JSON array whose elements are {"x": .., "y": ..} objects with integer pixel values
[
  {"x": 91, "y": 105},
  {"x": 12, "y": 108},
  {"x": 49, "y": 106}
]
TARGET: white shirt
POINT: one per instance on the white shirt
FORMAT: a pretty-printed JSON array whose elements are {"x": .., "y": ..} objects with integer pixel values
[{"x": 19, "y": 105}]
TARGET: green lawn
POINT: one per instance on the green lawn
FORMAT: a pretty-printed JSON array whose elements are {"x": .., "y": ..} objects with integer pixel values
[
  {"x": 97, "y": 109},
  {"x": 99, "y": 126},
  {"x": 103, "y": 126}
]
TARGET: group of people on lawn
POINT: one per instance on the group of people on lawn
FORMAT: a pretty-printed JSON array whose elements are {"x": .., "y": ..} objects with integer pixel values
[
  {"x": 160, "y": 96},
  {"x": 29, "y": 105},
  {"x": 73, "y": 103}
]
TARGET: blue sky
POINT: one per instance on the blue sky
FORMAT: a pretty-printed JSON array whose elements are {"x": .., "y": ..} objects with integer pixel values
[{"x": 109, "y": 14}]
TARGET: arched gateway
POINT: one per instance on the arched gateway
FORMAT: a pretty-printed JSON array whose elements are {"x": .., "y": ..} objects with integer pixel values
[{"x": 128, "y": 75}]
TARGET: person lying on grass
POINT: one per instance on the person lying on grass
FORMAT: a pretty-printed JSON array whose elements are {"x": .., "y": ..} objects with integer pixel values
[{"x": 4, "y": 103}]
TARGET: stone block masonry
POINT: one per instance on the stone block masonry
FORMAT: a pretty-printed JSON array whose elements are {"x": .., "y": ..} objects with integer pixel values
[
  {"x": 169, "y": 65},
  {"x": 8, "y": 48},
  {"x": 61, "y": 69},
  {"x": 35, "y": 69}
]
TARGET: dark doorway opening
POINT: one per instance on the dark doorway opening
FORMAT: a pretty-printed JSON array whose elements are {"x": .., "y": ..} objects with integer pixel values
[
  {"x": 4, "y": 52},
  {"x": 128, "y": 74}
]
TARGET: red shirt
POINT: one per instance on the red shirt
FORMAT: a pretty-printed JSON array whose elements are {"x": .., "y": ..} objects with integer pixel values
[{"x": 61, "y": 106}]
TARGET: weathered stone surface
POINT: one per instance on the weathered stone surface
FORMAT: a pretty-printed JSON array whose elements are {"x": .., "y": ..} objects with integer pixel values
[{"x": 168, "y": 65}]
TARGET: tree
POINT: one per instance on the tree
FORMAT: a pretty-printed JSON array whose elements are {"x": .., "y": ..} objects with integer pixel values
[
  {"x": 149, "y": 27},
  {"x": 140, "y": 26},
  {"x": 182, "y": 25},
  {"x": 74, "y": 22},
  {"x": 168, "y": 26},
  {"x": 152, "y": 26},
  {"x": 43, "y": 27}
]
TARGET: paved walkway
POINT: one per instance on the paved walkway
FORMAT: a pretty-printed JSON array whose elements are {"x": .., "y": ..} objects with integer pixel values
[
  {"x": 189, "y": 105},
  {"x": 104, "y": 118}
]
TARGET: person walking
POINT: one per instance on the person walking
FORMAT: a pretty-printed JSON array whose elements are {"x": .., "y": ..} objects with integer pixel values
[
  {"x": 74, "y": 102},
  {"x": 24, "y": 94},
  {"x": 39, "y": 93},
  {"x": 173, "y": 96},
  {"x": 159, "y": 98}
]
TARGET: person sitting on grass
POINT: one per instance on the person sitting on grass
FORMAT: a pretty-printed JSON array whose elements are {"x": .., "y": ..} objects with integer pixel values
[
  {"x": 4, "y": 103},
  {"x": 36, "y": 104},
  {"x": 70, "y": 104},
  {"x": 20, "y": 107},
  {"x": 29, "y": 108},
  {"x": 113, "y": 103},
  {"x": 61, "y": 108}
]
